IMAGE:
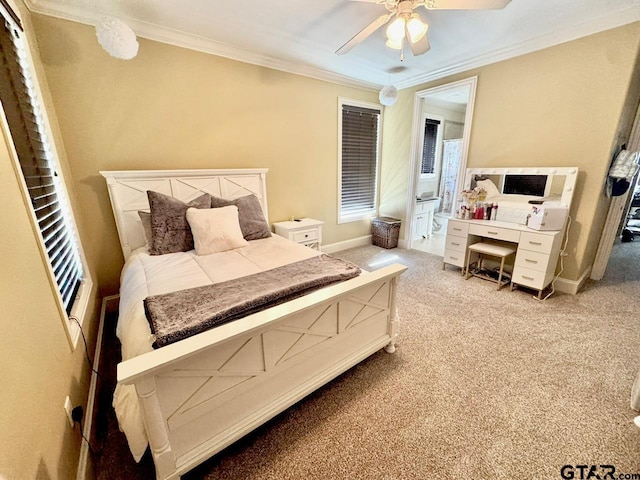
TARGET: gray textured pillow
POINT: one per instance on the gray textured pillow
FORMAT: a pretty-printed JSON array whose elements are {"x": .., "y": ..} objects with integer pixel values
[
  {"x": 170, "y": 231},
  {"x": 250, "y": 216},
  {"x": 145, "y": 219}
]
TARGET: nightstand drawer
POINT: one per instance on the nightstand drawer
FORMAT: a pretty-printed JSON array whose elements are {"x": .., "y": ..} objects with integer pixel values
[
  {"x": 309, "y": 235},
  {"x": 305, "y": 231}
]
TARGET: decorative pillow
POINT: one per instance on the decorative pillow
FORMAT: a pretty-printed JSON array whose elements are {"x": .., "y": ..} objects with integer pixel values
[
  {"x": 145, "y": 219},
  {"x": 215, "y": 229},
  {"x": 252, "y": 222},
  {"x": 170, "y": 230},
  {"x": 489, "y": 187}
]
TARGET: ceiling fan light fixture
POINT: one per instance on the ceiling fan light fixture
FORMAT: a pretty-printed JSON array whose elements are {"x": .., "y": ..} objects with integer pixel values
[
  {"x": 416, "y": 28},
  {"x": 395, "y": 44},
  {"x": 395, "y": 30}
]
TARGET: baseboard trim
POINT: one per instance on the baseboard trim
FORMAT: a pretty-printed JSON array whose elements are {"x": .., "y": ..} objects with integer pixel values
[
  {"x": 83, "y": 463},
  {"x": 352, "y": 243},
  {"x": 572, "y": 287}
]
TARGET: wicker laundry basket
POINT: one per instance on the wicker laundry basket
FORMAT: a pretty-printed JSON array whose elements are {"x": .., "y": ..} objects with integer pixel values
[{"x": 385, "y": 232}]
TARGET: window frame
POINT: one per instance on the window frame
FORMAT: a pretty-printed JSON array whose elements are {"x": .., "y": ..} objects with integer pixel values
[
  {"x": 83, "y": 294},
  {"x": 372, "y": 212},
  {"x": 437, "y": 160}
]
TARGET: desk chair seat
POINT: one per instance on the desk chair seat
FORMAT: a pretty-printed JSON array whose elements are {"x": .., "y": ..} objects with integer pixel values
[{"x": 492, "y": 250}]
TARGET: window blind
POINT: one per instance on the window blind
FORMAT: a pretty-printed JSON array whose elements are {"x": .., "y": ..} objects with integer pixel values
[
  {"x": 429, "y": 145},
  {"x": 359, "y": 160},
  {"x": 37, "y": 163}
]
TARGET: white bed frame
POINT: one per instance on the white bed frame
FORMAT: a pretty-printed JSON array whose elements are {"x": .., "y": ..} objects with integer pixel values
[{"x": 203, "y": 393}]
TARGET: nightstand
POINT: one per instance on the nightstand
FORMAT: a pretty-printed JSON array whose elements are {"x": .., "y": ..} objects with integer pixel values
[{"x": 306, "y": 231}]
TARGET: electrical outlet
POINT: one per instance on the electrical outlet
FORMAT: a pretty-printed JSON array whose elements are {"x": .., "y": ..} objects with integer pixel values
[{"x": 68, "y": 408}]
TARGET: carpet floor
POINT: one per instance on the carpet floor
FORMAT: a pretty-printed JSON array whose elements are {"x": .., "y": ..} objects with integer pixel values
[{"x": 484, "y": 384}]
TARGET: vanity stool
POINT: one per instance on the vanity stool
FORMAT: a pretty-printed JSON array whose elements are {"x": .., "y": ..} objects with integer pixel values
[{"x": 492, "y": 250}]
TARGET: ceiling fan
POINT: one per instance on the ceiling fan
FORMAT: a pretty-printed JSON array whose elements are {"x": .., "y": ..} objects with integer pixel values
[{"x": 409, "y": 25}]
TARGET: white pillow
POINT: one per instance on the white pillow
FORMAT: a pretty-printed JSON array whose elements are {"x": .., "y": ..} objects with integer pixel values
[
  {"x": 215, "y": 229},
  {"x": 489, "y": 187}
]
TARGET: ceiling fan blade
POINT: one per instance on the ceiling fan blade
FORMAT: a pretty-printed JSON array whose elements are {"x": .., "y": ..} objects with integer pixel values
[
  {"x": 421, "y": 46},
  {"x": 465, "y": 4},
  {"x": 364, "y": 33}
]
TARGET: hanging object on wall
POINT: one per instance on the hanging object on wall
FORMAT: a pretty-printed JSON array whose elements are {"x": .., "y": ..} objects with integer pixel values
[
  {"x": 623, "y": 168},
  {"x": 388, "y": 95},
  {"x": 117, "y": 38}
]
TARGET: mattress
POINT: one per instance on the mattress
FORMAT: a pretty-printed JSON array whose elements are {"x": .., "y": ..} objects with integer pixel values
[{"x": 144, "y": 275}]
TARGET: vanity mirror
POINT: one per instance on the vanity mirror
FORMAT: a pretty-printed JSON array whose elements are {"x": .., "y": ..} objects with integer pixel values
[{"x": 520, "y": 185}]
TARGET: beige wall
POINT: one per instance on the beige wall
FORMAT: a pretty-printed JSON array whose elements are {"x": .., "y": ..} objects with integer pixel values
[
  {"x": 38, "y": 368},
  {"x": 175, "y": 108},
  {"x": 556, "y": 107}
]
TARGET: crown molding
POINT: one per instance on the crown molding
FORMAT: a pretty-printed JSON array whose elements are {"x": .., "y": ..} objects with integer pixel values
[
  {"x": 611, "y": 20},
  {"x": 200, "y": 44},
  {"x": 194, "y": 42}
]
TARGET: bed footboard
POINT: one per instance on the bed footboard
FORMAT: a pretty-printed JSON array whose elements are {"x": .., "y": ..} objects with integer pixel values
[{"x": 205, "y": 392}]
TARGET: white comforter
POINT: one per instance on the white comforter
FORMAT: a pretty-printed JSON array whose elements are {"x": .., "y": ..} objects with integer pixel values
[{"x": 144, "y": 275}]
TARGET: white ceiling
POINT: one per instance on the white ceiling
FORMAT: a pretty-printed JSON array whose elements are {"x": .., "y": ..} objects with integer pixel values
[{"x": 301, "y": 36}]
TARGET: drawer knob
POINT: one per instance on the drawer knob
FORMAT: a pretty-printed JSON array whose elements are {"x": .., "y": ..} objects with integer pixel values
[
  {"x": 530, "y": 261},
  {"x": 527, "y": 278},
  {"x": 492, "y": 233},
  {"x": 453, "y": 258},
  {"x": 535, "y": 243},
  {"x": 456, "y": 244}
]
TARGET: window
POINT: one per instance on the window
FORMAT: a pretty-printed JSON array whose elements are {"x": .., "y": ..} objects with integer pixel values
[
  {"x": 359, "y": 147},
  {"x": 42, "y": 182},
  {"x": 430, "y": 146}
]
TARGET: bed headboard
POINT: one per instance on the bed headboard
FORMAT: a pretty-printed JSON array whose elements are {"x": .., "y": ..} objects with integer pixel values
[{"x": 128, "y": 193}]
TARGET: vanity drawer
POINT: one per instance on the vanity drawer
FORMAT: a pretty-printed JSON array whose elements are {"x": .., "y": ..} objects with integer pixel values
[
  {"x": 458, "y": 229},
  {"x": 454, "y": 257},
  {"x": 455, "y": 244},
  {"x": 308, "y": 235},
  {"x": 498, "y": 233},
  {"x": 528, "y": 277},
  {"x": 533, "y": 260},
  {"x": 536, "y": 242}
]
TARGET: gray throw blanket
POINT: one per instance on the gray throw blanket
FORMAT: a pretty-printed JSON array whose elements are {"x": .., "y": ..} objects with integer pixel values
[{"x": 177, "y": 315}]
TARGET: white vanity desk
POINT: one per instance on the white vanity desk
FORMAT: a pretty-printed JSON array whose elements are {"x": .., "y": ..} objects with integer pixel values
[
  {"x": 536, "y": 256},
  {"x": 537, "y": 251}
]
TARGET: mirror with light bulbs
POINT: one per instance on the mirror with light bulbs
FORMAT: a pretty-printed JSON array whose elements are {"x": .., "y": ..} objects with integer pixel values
[{"x": 556, "y": 183}]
